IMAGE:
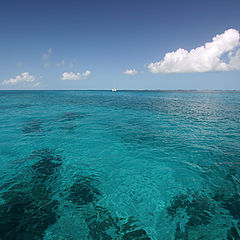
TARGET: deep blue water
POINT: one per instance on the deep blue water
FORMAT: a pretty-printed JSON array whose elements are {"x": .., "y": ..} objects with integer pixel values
[{"x": 105, "y": 165}]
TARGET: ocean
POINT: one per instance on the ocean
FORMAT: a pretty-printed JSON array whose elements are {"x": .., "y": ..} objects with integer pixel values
[{"x": 125, "y": 165}]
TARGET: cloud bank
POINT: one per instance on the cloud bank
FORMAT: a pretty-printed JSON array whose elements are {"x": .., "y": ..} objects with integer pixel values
[
  {"x": 24, "y": 77},
  {"x": 75, "y": 76},
  {"x": 130, "y": 72},
  {"x": 221, "y": 54}
]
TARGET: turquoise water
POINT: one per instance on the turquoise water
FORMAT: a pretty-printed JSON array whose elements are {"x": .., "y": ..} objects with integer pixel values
[{"x": 119, "y": 165}]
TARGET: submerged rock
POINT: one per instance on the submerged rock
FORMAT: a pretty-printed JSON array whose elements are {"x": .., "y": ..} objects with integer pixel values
[
  {"x": 139, "y": 234},
  {"x": 102, "y": 225},
  {"x": 46, "y": 165},
  {"x": 233, "y": 233},
  {"x": 130, "y": 230},
  {"x": 198, "y": 208},
  {"x": 179, "y": 202},
  {"x": 28, "y": 209},
  {"x": 71, "y": 116},
  {"x": 83, "y": 192},
  {"x": 100, "y": 222},
  {"x": 180, "y": 234},
  {"x": 32, "y": 126},
  {"x": 23, "y": 217},
  {"x": 233, "y": 206},
  {"x": 200, "y": 211}
]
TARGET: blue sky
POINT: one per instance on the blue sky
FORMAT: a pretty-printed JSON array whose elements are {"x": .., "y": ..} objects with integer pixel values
[{"x": 94, "y": 42}]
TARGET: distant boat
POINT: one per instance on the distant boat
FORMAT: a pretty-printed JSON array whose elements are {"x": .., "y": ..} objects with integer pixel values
[{"x": 114, "y": 90}]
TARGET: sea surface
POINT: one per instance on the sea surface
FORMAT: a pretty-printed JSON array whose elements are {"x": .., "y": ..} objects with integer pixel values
[{"x": 126, "y": 165}]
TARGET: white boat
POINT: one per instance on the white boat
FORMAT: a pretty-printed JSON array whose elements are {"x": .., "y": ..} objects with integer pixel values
[{"x": 114, "y": 90}]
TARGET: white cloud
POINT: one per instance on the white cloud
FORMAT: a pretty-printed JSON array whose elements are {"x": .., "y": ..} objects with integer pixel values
[
  {"x": 222, "y": 54},
  {"x": 47, "y": 55},
  {"x": 75, "y": 76},
  {"x": 86, "y": 73},
  {"x": 24, "y": 77},
  {"x": 130, "y": 72}
]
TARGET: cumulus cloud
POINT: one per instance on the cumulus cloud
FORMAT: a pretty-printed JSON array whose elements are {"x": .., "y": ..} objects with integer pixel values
[
  {"x": 24, "y": 77},
  {"x": 130, "y": 72},
  {"x": 47, "y": 55},
  {"x": 221, "y": 54},
  {"x": 75, "y": 76}
]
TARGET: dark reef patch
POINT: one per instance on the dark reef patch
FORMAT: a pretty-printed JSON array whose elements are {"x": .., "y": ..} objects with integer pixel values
[
  {"x": 230, "y": 203},
  {"x": 130, "y": 230},
  {"x": 198, "y": 208},
  {"x": 200, "y": 211},
  {"x": 179, "y": 234},
  {"x": 102, "y": 225},
  {"x": 233, "y": 233},
  {"x": 100, "y": 222},
  {"x": 179, "y": 202},
  {"x": 22, "y": 105},
  {"x": 24, "y": 217},
  {"x": 28, "y": 209},
  {"x": 83, "y": 191},
  {"x": 32, "y": 126},
  {"x": 15, "y": 106},
  {"x": 139, "y": 234},
  {"x": 46, "y": 164},
  {"x": 233, "y": 206},
  {"x": 71, "y": 116},
  {"x": 140, "y": 138}
]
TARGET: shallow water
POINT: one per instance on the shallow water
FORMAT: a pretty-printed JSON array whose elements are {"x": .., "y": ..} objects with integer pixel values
[{"x": 119, "y": 165}]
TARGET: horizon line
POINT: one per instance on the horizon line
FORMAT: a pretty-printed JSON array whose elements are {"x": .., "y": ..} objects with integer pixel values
[{"x": 122, "y": 90}]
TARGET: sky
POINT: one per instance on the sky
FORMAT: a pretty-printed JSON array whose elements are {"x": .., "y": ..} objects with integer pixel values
[{"x": 133, "y": 44}]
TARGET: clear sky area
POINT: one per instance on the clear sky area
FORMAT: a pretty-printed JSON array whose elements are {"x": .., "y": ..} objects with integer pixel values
[{"x": 134, "y": 44}]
